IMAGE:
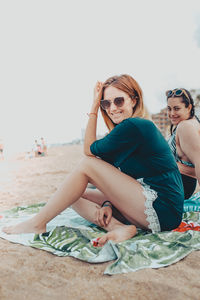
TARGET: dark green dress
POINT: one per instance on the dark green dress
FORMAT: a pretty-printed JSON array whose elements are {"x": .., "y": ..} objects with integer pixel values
[{"x": 138, "y": 148}]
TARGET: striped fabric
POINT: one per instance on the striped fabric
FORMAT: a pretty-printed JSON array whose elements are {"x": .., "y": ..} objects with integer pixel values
[{"x": 172, "y": 145}]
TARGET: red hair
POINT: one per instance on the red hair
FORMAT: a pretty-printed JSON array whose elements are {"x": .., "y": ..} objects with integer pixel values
[{"x": 130, "y": 86}]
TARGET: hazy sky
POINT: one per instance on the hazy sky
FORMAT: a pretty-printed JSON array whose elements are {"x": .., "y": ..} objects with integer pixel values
[{"x": 53, "y": 52}]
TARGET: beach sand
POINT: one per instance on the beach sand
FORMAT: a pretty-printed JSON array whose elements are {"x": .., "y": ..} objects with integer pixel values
[{"x": 28, "y": 273}]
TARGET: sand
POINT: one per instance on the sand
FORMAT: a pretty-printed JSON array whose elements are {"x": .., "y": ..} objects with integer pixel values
[{"x": 28, "y": 273}]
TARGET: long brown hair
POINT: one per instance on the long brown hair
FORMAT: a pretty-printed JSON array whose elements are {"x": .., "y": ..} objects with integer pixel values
[{"x": 130, "y": 86}]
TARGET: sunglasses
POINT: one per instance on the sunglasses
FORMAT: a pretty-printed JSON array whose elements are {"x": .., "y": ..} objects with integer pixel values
[
  {"x": 177, "y": 93},
  {"x": 105, "y": 104}
]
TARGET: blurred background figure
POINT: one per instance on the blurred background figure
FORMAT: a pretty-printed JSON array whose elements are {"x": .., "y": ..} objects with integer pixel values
[
  {"x": 1, "y": 149},
  {"x": 37, "y": 149},
  {"x": 43, "y": 147},
  {"x": 29, "y": 155}
]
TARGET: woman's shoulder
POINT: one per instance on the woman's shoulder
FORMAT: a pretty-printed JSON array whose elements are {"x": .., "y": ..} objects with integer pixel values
[
  {"x": 188, "y": 127},
  {"x": 137, "y": 125},
  {"x": 130, "y": 125},
  {"x": 140, "y": 121},
  {"x": 191, "y": 124}
]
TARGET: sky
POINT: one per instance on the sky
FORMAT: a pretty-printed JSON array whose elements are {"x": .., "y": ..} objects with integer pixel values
[{"x": 53, "y": 52}]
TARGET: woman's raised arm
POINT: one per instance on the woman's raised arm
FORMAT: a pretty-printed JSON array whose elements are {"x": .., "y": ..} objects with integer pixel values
[{"x": 90, "y": 133}]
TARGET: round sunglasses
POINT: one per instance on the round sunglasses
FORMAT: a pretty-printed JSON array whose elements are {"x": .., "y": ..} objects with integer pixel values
[
  {"x": 177, "y": 93},
  {"x": 105, "y": 104}
]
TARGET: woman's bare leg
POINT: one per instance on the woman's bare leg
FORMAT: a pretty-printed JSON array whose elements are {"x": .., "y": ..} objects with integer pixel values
[
  {"x": 123, "y": 191},
  {"x": 94, "y": 195},
  {"x": 84, "y": 207},
  {"x": 117, "y": 231},
  {"x": 71, "y": 190}
]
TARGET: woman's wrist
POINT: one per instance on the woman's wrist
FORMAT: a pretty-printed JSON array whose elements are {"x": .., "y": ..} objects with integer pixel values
[
  {"x": 94, "y": 107},
  {"x": 106, "y": 203},
  {"x": 92, "y": 114}
]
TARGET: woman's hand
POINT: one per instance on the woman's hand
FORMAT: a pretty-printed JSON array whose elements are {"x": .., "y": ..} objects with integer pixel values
[{"x": 103, "y": 216}]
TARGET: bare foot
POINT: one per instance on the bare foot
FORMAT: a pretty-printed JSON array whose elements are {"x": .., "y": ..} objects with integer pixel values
[
  {"x": 119, "y": 234},
  {"x": 24, "y": 227}
]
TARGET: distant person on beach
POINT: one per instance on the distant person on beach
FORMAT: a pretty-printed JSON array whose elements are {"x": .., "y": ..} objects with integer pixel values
[
  {"x": 1, "y": 150},
  {"x": 37, "y": 149},
  {"x": 185, "y": 137},
  {"x": 137, "y": 180},
  {"x": 44, "y": 147}
]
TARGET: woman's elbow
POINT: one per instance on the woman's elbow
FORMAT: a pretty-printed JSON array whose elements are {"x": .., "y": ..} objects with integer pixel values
[{"x": 87, "y": 152}]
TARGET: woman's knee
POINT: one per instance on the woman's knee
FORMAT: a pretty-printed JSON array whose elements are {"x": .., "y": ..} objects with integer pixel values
[{"x": 87, "y": 163}]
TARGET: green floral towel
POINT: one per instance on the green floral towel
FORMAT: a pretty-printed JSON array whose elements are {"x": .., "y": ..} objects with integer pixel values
[{"x": 70, "y": 235}]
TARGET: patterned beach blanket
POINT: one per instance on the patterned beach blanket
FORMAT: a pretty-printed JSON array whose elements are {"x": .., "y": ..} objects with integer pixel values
[
  {"x": 193, "y": 203},
  {"x": 70, "y": 235}
]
